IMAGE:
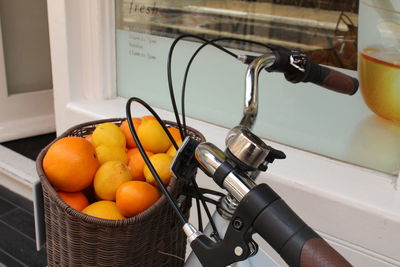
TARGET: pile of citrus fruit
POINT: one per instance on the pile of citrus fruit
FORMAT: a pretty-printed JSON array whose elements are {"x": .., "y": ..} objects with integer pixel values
[{"x": 109, "y": 164}]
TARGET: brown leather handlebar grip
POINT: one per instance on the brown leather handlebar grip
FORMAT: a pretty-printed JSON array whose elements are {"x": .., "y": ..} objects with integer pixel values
[
  {"x": 317, "y": 252},
  {"x": 339, "y": 82},
  {"x": 325, "y": 77}
]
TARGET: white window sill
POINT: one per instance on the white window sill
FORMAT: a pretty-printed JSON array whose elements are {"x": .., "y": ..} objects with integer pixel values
[{"x": 17, "y": 172}]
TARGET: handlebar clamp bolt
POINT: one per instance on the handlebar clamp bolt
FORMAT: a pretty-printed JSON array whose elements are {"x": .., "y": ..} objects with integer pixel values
[
  {"x": 238, "y": 251},
  {"x": 237, "y": 223}
]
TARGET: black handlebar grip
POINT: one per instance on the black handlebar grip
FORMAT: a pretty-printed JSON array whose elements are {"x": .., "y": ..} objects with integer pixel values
[
  {"x": 325, "y": 77},
  {"x": 296, "y": 242}
]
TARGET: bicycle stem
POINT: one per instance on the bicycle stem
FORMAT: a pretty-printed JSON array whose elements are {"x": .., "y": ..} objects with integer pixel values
[{"x": 251, "y": 88}]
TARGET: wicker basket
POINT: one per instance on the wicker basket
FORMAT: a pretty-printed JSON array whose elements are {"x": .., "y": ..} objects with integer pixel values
[{"x": 152, "y": 238}]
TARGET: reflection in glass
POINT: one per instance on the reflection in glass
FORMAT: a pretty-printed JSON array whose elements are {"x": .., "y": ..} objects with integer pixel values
[
  {"x": 325, "y": 30},
  {"x": 375, "y": 143}
]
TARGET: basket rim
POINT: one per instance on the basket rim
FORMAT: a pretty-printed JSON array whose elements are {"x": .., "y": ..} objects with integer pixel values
[{"x": 91, "y": 219}]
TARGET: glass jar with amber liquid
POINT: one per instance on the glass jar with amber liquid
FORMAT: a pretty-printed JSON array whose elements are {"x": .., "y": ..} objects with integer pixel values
[{"x": 379, "y": 56}]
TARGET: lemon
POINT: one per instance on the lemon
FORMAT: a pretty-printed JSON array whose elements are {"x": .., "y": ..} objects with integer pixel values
[
  {"x": 108, "y": 134},
  {"x": 108, "y": 177},
  {"x": 152, "y": 136},
  {"x": 161, "y": 162},
  {"x": 104, "y": 209},
  {"x": 111, "y": 153},
  {"x": 172, "y": 151}
]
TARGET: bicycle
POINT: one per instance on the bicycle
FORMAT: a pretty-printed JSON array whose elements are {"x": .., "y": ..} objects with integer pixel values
[{"x": 248, "y": 207}]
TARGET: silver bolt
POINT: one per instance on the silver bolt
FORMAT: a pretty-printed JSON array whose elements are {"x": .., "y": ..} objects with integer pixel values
[{"x": 238, "y": 251}]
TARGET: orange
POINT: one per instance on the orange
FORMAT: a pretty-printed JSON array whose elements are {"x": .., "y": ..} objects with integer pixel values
[
  {"x": 177, "y": 137},
  {"x": 70, "y": 164},
  {"x": 161, "y": 162},
  {"x": 130, "y": 152},
  {"x": 89, "y": 137},
  {"x": 76, "y": 200},
  {"x": 130, "y": 142},
  {"x": 152, "y": 136},
  {"x": 135, "y": 196},
  {"x": 148, "y": 117},
  {"x": 175, "y": 134},
  {"x": 104, "y": 209},
  {"x": 136, "y": 164}
]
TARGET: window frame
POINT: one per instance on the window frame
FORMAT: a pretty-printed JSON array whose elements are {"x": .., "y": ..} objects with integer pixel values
[{"x": 354, "y": 208}]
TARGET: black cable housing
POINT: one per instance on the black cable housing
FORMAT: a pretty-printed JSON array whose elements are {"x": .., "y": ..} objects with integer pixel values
[
  {"x": 169, "y": 74},
  {"x": 170, "y": 199},
  {"x": 210, "y": 42},
  {"x": 183, "y": 129}
]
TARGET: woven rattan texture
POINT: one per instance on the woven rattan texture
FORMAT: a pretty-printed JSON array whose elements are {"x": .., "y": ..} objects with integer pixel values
[{"x": 152, "y": 238}]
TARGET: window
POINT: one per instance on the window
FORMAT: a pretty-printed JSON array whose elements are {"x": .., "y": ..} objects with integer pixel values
[{"x": 303, "y": 115}]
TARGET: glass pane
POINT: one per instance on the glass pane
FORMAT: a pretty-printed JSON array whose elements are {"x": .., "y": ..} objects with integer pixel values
[
  {"x": 26, "y": 45},
  {"x": 303, "y": 115}
]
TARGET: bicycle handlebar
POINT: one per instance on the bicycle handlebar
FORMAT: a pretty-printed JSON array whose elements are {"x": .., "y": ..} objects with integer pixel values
[
  {"x": 317, "y": 252},
  {"x": 251, "y": 87},
  {"x": 297, "y": 67},
  {"x": 288, "y": 234},
  {"x": 325, "y": 77},
  {"x": 260, "y": 209}
]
